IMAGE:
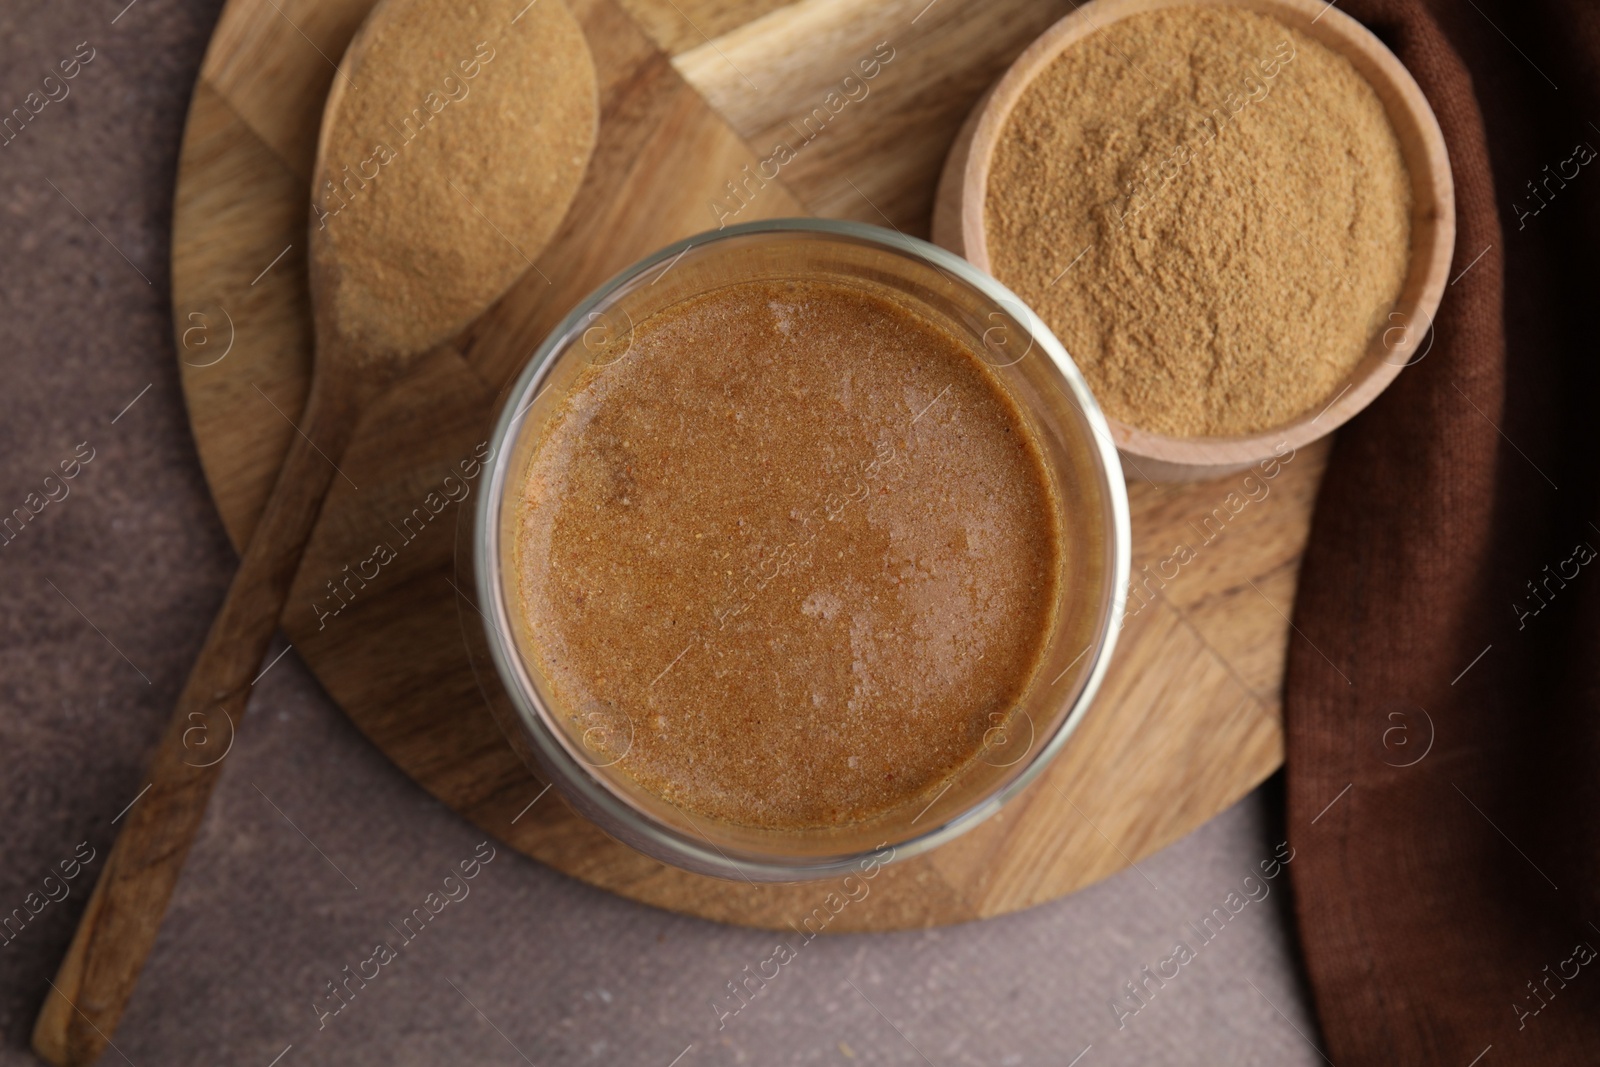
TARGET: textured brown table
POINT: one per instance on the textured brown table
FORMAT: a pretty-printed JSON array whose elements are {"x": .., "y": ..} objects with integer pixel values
[{"x": 105, "y": 599}]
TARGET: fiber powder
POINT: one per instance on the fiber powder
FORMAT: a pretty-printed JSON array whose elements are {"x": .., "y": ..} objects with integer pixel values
[{"x": 1210, "y": 210}]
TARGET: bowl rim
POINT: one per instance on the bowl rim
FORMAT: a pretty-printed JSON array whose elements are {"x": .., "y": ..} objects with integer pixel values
[
  {"x": 1425, "y": 156},
  {"x": 589, "y": 791}
]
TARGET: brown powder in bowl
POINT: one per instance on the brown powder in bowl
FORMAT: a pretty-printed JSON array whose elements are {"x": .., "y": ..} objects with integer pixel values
[{"x": 1210, "y": 210}]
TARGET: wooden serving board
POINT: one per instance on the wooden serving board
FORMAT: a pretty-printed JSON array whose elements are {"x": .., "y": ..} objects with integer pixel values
[{"x": 692, "y": 91}]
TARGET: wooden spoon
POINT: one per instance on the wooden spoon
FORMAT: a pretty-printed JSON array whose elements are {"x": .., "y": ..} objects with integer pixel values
[{"x": 453, "y": 142}]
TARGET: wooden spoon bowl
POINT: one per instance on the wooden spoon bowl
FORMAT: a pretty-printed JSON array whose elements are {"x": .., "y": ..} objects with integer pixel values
[{"x": 958, "y": 221}]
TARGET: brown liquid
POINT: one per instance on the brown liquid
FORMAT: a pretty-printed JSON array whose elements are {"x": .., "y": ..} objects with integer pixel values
[{"x": 802, "y": 541}]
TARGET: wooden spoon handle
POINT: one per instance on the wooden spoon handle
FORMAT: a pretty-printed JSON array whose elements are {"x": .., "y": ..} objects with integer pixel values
[{"x": 124, "y": 912}]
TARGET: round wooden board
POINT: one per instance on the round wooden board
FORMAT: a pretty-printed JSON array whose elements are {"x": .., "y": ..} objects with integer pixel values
[{"x": 1188, "y": 720}]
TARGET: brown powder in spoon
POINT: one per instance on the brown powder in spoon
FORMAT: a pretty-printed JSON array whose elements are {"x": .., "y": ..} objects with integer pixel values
[
  {"x": 1210, "y": 210},
  {"x": 457, "y": 135}
]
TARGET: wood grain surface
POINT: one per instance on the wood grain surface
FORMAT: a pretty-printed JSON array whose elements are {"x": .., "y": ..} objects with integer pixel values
[{"x": 690, "y": 94}]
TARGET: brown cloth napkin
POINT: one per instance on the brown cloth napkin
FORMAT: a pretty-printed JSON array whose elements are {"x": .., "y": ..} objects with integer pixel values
[{"x": 1443, "y": 691}]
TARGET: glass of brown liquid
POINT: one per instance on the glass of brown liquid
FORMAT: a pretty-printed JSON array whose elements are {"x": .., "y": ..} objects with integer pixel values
[{"x": 800, "y": 541}]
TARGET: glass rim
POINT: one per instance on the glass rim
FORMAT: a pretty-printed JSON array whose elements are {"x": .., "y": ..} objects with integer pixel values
[{"x": 574, "y": 775}]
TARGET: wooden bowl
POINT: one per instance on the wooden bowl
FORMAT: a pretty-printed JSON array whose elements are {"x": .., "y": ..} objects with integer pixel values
[{"x": 958, "y": 221}]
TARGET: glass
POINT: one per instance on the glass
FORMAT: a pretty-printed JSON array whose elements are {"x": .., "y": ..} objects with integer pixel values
[{"x": 583, "y": 753}]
